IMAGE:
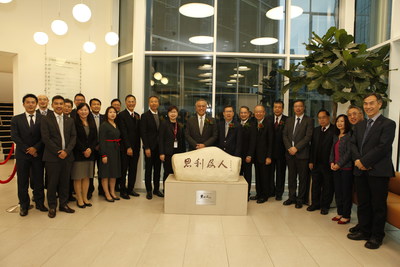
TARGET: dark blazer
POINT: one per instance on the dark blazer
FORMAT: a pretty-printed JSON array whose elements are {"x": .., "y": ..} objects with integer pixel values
[
  {"x": 278, "y": 148},
  {"x": 130, "y": 130},
  {"x": 264, "y": 140},
  {"x": 192, "y": 132},
  {"x": 232, "y": 143},
  {"x": 166, "y": 138},
  {"x": 376, "y": 153},
  {"x": 325, "y": 146},
  {"x": 24, "y": 137},
  {"x": 344, "y": 151},
  {"x": 84, "y": 141},
  {"x": 148, "y": 130},
  {"x": 302, "y": 139},
  {"x": 102, "y": 118},
  {"x": 51, "y": 137},
  {"x": 249, "y": 133}
]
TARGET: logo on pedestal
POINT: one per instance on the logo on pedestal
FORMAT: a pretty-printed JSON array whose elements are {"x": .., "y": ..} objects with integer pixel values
[{"x": 206, "y": 197}]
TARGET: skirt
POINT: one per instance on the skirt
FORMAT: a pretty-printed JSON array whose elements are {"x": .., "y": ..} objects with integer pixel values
[{"x": 82, "y": 169}]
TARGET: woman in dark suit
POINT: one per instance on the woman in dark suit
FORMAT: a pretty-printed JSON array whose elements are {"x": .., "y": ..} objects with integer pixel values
[
  {"x": 342, "y": 166},
  {"x": 110, "y": 166},
  {"x": 86, "y": 142},
  {"x": 171, "y": 139}
]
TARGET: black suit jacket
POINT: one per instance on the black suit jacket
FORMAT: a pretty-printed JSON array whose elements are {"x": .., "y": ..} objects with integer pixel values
[
  {"x": 193, "y": 136},
  {"x": 264, "y": 140},
  {"x": 232, "y": 143},
  {"x": 325, "y": 146},
  {"x": 51, "y": 137},
  {"x": 84, "y": 141},
  {"x": 376, "y": 152},
  {"x": 278, "y": 148},
  {"x": 249, "y": 134},
  {"x": 149, "y": 131},
  {"x": 24, "y": 137},
  {"x": 130, "y": 130},
  {"x": 344, "y": 151},
  {"x": 302, "y": 139},
  {"x": 167, "y": 138}
]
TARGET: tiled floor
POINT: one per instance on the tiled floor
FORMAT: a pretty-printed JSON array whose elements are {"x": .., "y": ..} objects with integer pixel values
[{"x": 136, "y": 232}]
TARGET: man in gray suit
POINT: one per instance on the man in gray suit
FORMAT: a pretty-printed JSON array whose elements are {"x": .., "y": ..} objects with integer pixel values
[
  {"x": 201, "y": 130},
  {"x": 297, "y": 135},
  {"x": 59, "y": 137}
]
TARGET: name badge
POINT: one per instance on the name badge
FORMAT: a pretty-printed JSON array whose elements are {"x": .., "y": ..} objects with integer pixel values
[{"x": 175, "y": 144}]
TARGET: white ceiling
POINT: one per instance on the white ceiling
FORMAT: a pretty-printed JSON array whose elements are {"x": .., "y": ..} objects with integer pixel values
[{"x": 6, "y": 62}]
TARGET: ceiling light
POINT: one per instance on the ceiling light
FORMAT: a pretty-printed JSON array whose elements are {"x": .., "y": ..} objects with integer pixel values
[
  {"x": 255, "y": 85},
  {"x": 209, "y": 84},
  {"x": 205, "y": 80},
  {"x": 205, "y": 67},
  {"x": 41, "y": 38},
  {"x": 81, "y": 12},
  {"x": 89, "y": 47},
  {"x": 164, "y": 80},
  {"x": 242, "y": 68},
  {"x": 236, "y": 75},
  {"x": 264, "y": 41},
  {"x": 5, "y": 1},
  {"x": 201, "y": 39},
  {"x": 151, "y": 83},
  {"x": 196, "y": 10},
  {"x": 231, "y": 81},
  {"x": 229, "y": 84},
  {"x": 277, "y": 13},
  {"x": 59, "y": 27},
  {"x": 111, "y": 38},
  {"x": 157, "y": 76},
  {"x": 205, "y": 74}
]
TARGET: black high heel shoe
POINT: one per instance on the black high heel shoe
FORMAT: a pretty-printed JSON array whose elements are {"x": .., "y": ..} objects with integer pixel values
[
  {"x": 88, "y": 204},
  {"x": 80, "y": 206},
  {"x": 109, "y": 200},
  {"x": 115, "y": 198}
]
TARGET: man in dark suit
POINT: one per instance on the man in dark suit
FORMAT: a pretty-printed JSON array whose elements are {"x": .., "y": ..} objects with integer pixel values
[
  {"x": 278, "y": 164},
  {"x": 263, "y": 154},
  {"x": 95, "y": 107},
  {"x": 322, "y": 176},
  {"x": 43, "y": 103},
  {"x": 229, "y": 133},
  {"x": 249, "y": 133},
  {"x": 116, "y": 103},
  {"x": 129, "y": 125},
  {"x": 201, "y": 130},
  {"x": 149, "y": 127},
  {"x": 25, "y": 132},
  {"x": 372, "y": 151},
  {"x": 297, "y": 135},
  {"x": 59, "y": 137},
  {"x": 78, "y": 98}
]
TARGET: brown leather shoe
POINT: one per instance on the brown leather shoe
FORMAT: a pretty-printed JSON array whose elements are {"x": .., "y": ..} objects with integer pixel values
[
  {"x": 66, "y": 209},
  {"x": 52, "y": 213}
]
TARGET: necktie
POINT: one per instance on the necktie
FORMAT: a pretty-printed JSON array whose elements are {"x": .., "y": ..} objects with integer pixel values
[
  {"x": 31, "y": 122},
  {"x": 296, "y": 126},
  {"x": 44, "y": 112},
  {"x": 226, "y": 128},
  {"x": 367, "y": 129},
  {"x": 243, "y": 123},
  {"x": 276, "y": 122},
  {"x": 97, "y": 121},
  {"x": 201, "y": 125},
  {"x": 323, "y": 129},
  {"x": 157, "y": 119},
  {"x": 61, "y": 127}
]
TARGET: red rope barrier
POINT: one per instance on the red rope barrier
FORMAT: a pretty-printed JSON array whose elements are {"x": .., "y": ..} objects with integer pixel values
[
  {"x": 9, "y": 155},
  {"x": 11, "y": 176}
]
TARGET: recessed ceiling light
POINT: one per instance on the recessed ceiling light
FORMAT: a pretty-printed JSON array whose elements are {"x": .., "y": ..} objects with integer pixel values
[
  {"x": 196, "y": 10},
  {"x": 201, "y": 39},
  {"x": 242, "y": 68},
  {"x": 164, "y": 80},
  {"x": 264, "y": 41},
  {"x": 157, "y": 76},
  {"x": 277, "y": 13},
  {"x": 205, "y": 80},
  {"x": 236, "y": 75},
  {"x": 206, "y": 74},
  {"x": 205, "y": 67},
  {"x": 231, "y": 81},
  {"x": 229, "y": 84},
  {"x": 255, "y": 85},
  {"x": 208, "y": 84}
]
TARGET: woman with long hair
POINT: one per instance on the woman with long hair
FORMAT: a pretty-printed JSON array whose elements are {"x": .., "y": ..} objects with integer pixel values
[
  {"x": 110, "y": 166},
  {"x": 83, "y": 166}
]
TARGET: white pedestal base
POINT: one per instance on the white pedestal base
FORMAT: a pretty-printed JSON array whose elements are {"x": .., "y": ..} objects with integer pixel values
[{"x": 216, "y": 198}]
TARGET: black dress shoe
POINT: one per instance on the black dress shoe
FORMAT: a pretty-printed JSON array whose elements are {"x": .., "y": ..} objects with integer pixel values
[
  {"x": 66, "y": 209},
  {"x": 358, "y": 236},
  {"x": 149, "y": 195},
  {"x": 134, "y": 194},
  {"x": 88, "y": 204},
  {"x": 89, "y": 196},
  {"x": 115, "y": 198},
  {"x": 354, "y": 229},
  {"x": 42, "y": 208},
  {"x": 312, "y": 208},
  {"x": 254, "y": 197},
  {"x": 124, "y": 196},
  {"x": 109, "y": 200},
  {"x": 324, "y": 211},
  {"x": 23, "y": 212},
  {"x": 261, "y": 200},
  {"x": 80, "y": 206},
  {"x": 279, "y": 198},
  {"x": 158, "y": 193},
  {"x": 299, "y": 205},
  {"x": 373, "y": 243},
  {"x": 52, "y": 213},
  {"x": 288, "y": 202}
]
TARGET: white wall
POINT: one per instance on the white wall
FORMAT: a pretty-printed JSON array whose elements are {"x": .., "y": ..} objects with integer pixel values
[
  {"x": 6, "y": 87},
  {"x": 20, "y": 19}
]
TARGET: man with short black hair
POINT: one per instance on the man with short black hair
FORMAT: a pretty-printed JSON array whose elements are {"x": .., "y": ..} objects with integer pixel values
[
  {"x": 78, "y": 99},
  {"x": 229, "y": 133},
  {"x": 116, "y": 103}
]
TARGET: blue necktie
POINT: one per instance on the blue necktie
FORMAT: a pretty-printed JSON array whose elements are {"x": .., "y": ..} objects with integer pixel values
[{"x": 367, "y": 129}]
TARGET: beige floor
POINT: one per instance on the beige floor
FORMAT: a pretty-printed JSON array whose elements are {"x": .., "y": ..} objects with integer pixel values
[{"x": 136, "y": 232}]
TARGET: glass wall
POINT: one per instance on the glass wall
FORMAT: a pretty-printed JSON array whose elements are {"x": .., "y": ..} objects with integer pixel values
[
  {"x": 124, "y": 81},
  {"x": 125, "y": 27}
]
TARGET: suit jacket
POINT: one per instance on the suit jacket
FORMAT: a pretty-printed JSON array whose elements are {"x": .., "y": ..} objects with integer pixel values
[
  {"x": 324, "y": 146},
  {"x": 376, "y": 152},
  {"x": 278, "y": 148},
  {"x": 344, "y": 151},
  {"x": 149, "y": 131},
  {"x": 84, "y": 141},
  {"x": 48, "y": 111},
  {"x": 193, "y": 136},
  {"x": 249, "y": 134},
  {"x": 130, "y": 130},
  {"x": 24, "y": 137},
  {"x": 232, "y": 143},
  {"x": 264, "y": 140},
  {"x": 302, "y": 139},
  {"x": 167, "y": 138},
  {"x": 102, "y": 118},
  {"x": 51, "y": 137}
]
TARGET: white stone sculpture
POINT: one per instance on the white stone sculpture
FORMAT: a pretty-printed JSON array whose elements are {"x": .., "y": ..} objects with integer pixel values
[{"x": 209, "y": 164}]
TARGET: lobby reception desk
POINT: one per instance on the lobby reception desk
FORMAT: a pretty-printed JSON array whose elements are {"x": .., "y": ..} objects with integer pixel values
[{"x": 212, "y": 198}]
